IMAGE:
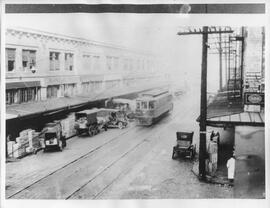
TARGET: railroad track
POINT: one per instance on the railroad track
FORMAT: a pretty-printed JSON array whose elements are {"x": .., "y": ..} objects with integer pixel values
[
  {"x": 165, "y": 120},
  {"x": 145, "y": 139}
]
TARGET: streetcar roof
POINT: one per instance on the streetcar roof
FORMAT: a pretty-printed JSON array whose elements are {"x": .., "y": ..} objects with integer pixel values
[
  {"x": 155, "y": 93},
  {"x": 122, "y": 100},
  {"x": 148, "y": 98}
]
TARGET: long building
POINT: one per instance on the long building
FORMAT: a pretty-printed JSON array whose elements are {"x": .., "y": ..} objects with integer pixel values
[{"x": 41, "y": 66}]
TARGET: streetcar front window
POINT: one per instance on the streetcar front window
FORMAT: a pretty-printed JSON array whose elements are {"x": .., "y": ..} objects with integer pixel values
[
  {"x": 151, "y": 105},
  {"x": 138, "y": 106},
  {"x": 144, "y": 105}
]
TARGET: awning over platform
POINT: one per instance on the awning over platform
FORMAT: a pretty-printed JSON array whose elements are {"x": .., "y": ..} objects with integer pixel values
[
  {"x": 244, "y": 118},
  {"x": 55, "y": 105},
  {"x": 222, "y": 112},
  {"x": 18, "y": 85},
  {"x": 41, "y": 107}
]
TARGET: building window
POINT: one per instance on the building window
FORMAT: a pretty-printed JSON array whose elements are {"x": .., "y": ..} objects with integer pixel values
[
  {"x": 109, "y": 62},
  {"x": 143, "y": 65},
  {"x": 111, "y": 84},
  {"x": 85, "y": 87},
  {"x": 96, "y": 63},
  {"x": 130, "y": 68},
  {"x": 69, "y": 61},
  {"x": 138, "y": 65},
  {"x": 22, "y": 95},
  {"x": 115, "y": 63},
  {"x": 125, "y": 64},
  {"x": 27, "y": 94},
  {"x": 70, "y": 90},
  {"x": 54, "y": 61},
  {"x": 10, "y": 96},
  {"x": 10, "y": 59},
  {"x": 87, "y": 63},
  {"x": 52, "y": 91},
  {"x": 28, "y": 59},
  {"x": 96, "y": 85}
]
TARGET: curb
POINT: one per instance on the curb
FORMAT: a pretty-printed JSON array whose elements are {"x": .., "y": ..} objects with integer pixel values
[{"x": 212, "y": 179}]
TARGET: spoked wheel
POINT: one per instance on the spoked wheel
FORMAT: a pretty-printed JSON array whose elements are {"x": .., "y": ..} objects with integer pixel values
[
  {"x": 191, "y": 154},
  {"x": 60, "y": 146},
  {"x": 90, "y": 132},
  {"x": 120, "y": 125},
  {"x": 174, "y": 155}
]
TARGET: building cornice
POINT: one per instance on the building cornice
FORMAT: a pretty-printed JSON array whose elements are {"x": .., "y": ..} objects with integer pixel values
[{"x": 46, "y": 36}]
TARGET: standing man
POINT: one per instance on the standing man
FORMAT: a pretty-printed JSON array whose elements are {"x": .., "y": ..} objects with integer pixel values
[{"x": 231, "y": 168}]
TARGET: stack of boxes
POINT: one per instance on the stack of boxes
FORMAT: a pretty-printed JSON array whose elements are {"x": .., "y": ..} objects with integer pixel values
[
  {"x": 27, "y": 142},
  {"x": 68, "y": 124},
  {"x": 34, "y": 142}
]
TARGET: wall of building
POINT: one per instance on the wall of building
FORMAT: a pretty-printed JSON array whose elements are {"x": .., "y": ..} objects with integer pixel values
[
  {"x": 92, "y": 66},
  {"x": 250, "y": 162},
  {"x": 254, "y": 58}
]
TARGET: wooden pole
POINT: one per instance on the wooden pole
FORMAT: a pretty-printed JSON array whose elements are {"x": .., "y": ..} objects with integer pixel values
[
  {"x": 220, "y": 63},
  {"x": 203, "y": 109},
  {"x": 226, "y": 64}
]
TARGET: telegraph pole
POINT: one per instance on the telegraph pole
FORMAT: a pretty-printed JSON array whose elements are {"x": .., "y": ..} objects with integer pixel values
[
  {"x": 203, "y": 109},
  {"x": 220, "y": 63}
]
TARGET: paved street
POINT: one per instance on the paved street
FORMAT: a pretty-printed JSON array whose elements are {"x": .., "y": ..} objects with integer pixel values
[{"x": 133, "y": 163}]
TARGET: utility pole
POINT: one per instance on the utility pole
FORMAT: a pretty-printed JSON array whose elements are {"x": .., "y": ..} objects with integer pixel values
[
  {"x": 220, "y": 63},
  {"x": 203, "y": 109},
  {"x": 226, "y": 66}
]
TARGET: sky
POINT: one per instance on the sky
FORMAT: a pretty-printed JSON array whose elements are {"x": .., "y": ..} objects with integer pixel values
[{"x": 156, "y": 34}]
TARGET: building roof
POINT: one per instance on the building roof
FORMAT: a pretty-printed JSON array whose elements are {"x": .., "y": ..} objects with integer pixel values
[
  {"x": 243, "y": 118},
  {"x": 36, "y": 33},
  {"x": 222, "y": 112},
  {"x": 47, "y": 106}
]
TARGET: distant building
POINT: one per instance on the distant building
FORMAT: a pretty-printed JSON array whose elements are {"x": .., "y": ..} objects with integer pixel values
[
  {"x": 42, "y": 65},
  {"x": 254, "y": 59},
  {"x": 241, "y": 121}
]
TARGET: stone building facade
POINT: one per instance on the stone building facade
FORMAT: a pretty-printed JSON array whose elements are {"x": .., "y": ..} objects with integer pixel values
[{"x": 42, "y": 65}]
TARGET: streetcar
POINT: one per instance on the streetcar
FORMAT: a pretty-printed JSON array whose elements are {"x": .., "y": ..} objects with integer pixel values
[{"x": 152, "y": 105}]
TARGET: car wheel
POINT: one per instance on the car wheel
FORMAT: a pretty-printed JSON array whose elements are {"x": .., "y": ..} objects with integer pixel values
[
  {"x": 174, "y": 155},
  {"x": 90, "y": 132},
  {"x": 120, "y": 125}
]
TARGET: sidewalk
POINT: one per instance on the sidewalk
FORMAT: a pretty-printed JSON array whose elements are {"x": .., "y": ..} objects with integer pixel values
[
  {"x": 23, "y": 172},
  {"x": 220, "y": 176}
]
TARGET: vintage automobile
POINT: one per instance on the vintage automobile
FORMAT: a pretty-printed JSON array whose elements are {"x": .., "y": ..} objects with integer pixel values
[
  {"x": 184, "y": 146},
  {"x": 53, "y": 138},
  {"x": 87, "y": 122},
  {"x": 128, "y": 106},
  {"x": 114, "y": 118}
]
